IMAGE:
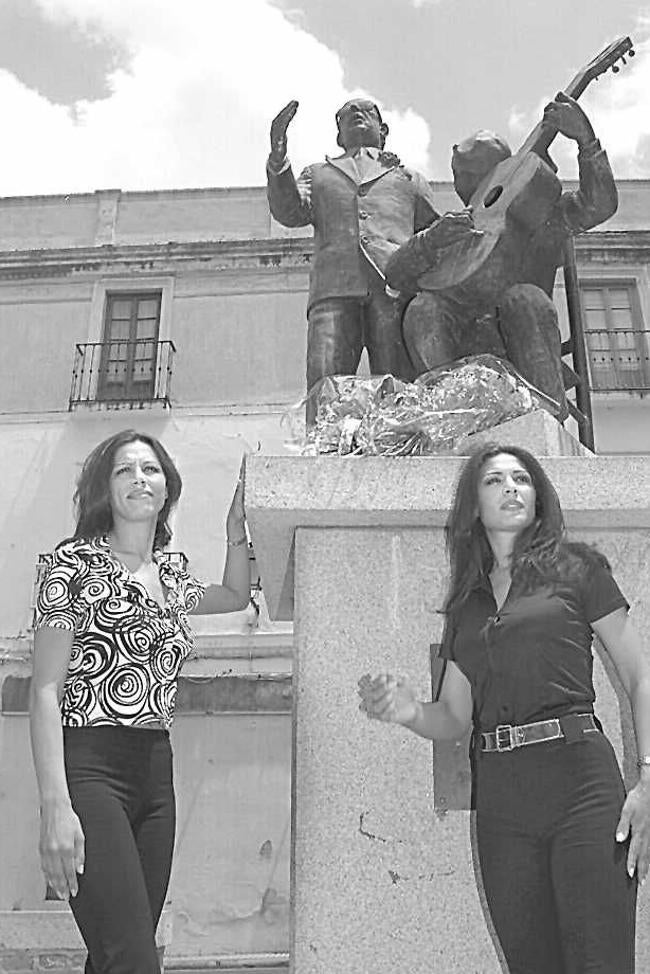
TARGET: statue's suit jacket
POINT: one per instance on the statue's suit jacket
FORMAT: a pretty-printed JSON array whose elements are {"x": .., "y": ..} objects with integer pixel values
[{"x": 357, "y": 220}]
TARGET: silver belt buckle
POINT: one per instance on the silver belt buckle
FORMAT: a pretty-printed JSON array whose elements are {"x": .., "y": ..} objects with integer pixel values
[{"x": 504, "y": 737}]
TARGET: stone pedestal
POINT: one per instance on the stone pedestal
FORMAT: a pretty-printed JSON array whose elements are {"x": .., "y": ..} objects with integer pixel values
[
  {"x": 48, "y": 940},
  {"x": 383, "y": 875}
]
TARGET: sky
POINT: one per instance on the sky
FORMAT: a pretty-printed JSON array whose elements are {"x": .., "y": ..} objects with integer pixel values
[{"x": 162, "y": 94}]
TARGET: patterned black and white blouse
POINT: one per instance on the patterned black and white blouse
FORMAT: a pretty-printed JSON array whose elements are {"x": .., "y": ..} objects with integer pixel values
[{"x": 127, "y": 650}]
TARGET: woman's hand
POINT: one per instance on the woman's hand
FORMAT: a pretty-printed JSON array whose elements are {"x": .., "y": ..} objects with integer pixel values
[
  {"x": 236, "y": 516},
  {"x": 385, "y": 697},
  {"x": 635, "y": 822},
  {"x": 62, "y": 848}
]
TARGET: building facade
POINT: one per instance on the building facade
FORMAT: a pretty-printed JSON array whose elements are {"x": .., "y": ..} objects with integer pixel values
[{"x": 182, "y": 314}]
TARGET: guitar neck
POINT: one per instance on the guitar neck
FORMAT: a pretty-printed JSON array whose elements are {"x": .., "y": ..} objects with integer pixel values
[{"x": 542, "y": 136}]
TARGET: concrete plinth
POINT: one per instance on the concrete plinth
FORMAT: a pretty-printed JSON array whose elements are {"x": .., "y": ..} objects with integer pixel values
[
  {"x": 538, "y": 432},
  {"x": 383, "y": 876},
  {"x": 48, "y": 939}
]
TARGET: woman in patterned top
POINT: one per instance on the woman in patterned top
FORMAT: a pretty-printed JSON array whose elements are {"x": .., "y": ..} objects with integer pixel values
[
  {"x": 110, "y": 638},
  {"x": 560, "y": 846}
]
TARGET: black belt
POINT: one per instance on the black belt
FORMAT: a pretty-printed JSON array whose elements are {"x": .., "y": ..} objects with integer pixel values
[{"x": 507, "y": 737}]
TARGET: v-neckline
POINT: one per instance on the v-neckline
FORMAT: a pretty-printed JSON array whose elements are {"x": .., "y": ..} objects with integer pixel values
[
  {"x": 499, "y": 608},
  {"x": 162, "y": 607}
]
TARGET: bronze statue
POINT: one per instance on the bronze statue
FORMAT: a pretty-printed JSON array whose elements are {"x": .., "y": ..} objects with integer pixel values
[
  {"x": 362, "y": 205},
  {"x": 480, "y": 294}
]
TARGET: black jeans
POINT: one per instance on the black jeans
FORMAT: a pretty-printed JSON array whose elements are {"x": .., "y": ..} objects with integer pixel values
[
  {"x": 555, "y": 879},
  {"x": 121, "y": 787}
]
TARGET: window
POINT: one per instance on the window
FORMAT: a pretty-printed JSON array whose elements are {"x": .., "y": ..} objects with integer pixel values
[
  {"x": 617, "y": 343},
  {"x": 127, "y": 369},
  {"x": 128, "y": 359}
]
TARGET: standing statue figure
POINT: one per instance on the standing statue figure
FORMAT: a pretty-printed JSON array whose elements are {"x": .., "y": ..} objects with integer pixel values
[
  {"x": 362, "y": 205},
  {"x": 509, "y": 313}
]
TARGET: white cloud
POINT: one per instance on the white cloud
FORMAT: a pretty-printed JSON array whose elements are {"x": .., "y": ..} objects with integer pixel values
[
  {"x": 618, "y": 106},
  {"x": 623, "y": 114},
  {"x": 194, "y": 106}
]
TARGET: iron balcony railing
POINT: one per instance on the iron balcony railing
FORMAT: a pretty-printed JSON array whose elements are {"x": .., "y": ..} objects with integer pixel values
[
  {"x": 117, "y": 373},
  {"x": 619, "y": 359}
]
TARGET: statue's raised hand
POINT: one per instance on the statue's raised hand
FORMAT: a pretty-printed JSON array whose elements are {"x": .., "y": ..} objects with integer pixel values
[{"x": 279, "y": 127}]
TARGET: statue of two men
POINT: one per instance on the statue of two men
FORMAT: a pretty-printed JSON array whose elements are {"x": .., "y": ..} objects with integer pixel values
[{"x": 377, "y": 233}]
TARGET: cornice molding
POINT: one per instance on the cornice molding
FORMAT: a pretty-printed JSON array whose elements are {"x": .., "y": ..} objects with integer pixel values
[
  {"x": 614, "y": 245},
  {"x": 239, "y": 255},
  {"x": 214, "y": 255}
]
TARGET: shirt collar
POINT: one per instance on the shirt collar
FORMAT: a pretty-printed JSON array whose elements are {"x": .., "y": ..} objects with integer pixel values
[
  {"x": 371, "y": 151},
  {"x": 103, "y": 544}
]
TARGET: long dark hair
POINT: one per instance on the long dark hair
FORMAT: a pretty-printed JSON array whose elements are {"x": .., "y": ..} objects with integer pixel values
[
  {"x": 92, "y": 496},
  {"x": 538, "y": 547}
]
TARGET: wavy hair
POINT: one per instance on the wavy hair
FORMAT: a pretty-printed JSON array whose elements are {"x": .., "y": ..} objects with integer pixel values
[
  {"x": 538, "y": 548},
  {"x": 92, "y": 495}
]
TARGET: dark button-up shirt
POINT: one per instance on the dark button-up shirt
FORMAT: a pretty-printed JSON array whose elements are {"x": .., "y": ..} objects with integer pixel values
[{"x": 532, "y": 658}]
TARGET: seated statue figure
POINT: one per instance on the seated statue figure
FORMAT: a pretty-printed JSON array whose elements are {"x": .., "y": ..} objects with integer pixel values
[{"x": 517, "y": 320}]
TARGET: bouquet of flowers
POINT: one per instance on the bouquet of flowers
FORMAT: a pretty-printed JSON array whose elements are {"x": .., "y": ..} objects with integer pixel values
[{"x": 384, "y": 416}]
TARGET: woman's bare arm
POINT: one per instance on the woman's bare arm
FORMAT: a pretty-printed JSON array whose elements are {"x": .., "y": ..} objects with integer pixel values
[{"x": 62, "y": 839}]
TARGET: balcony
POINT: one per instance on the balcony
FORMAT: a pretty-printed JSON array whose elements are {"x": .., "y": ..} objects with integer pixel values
[
  {"x": 116, "y": 374},
  {"x": 619, "y": 359}
]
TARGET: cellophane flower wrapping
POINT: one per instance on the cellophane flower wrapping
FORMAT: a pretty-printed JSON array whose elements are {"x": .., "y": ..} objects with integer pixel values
[{"x": 384, "y": 416}]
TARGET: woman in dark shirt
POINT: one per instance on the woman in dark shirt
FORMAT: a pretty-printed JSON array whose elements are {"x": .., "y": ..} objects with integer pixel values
[
  {"x": 110, "y": 638},
  {"x": 560, "y": 846}
]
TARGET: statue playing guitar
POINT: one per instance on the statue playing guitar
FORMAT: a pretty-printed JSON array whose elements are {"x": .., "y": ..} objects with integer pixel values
[{"x": 484, "y": 276}]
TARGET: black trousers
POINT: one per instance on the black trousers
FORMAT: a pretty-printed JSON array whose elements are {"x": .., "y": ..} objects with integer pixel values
[
  {"x": 555, "y": 879},
  {"x": 121, "y": 787}
]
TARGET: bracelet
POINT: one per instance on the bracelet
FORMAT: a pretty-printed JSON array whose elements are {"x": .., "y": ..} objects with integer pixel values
[
  {"x": 643, "y": 762},
  {"x": 236, "y": 544}
]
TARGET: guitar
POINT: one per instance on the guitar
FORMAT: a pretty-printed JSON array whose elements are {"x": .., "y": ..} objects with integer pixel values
[{"x": 513, "y": 200}]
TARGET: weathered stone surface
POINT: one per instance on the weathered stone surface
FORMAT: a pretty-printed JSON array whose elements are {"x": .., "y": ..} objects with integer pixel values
[
  {"x": 53, "y": 930},
  {"x": 538, "y": 432},
  {"x": 383, "y": 870},
  {"x": 283, "y": 492}
]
